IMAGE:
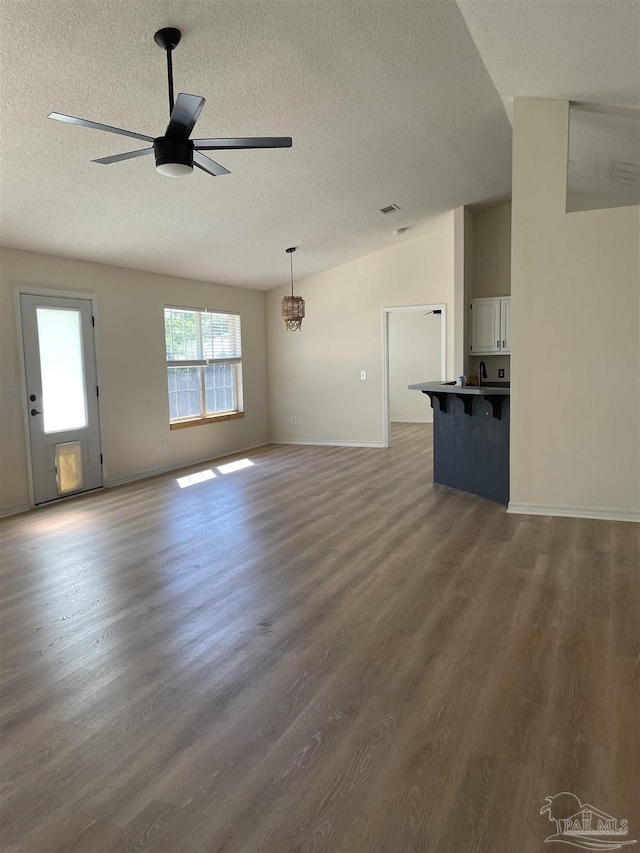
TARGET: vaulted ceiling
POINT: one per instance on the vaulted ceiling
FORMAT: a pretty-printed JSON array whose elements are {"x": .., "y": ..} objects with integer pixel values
[{"x": 402, "y": 102}]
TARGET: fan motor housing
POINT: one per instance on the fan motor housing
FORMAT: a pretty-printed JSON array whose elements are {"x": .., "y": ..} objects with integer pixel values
[{"x": 170, "y": 150}]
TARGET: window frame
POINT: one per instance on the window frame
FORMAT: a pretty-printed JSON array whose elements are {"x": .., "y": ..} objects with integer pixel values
[{"x": 202, "y": 364}]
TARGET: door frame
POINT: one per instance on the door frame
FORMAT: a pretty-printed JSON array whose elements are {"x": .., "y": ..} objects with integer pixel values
[
  {"x": 34, "y": 290},
  {"x": 407, "y": 309}
]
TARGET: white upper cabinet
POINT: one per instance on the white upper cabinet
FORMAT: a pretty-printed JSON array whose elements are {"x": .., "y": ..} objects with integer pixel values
[
  {"x": 490, "y": 325},
  {"x": 505, "y": 324}
]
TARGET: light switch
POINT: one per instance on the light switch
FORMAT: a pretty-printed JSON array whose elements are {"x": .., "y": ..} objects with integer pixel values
[{"x": 363, "y": 375}]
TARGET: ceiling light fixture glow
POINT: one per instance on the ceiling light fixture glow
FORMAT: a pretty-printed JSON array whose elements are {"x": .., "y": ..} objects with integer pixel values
[{"x": 174, "y": 170}]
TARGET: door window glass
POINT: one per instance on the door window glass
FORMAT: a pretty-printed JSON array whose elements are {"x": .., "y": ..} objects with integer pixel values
[{"x": 64, "y": 404}]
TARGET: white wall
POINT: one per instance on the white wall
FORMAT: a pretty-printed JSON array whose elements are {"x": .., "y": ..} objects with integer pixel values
[
  {"x": 575, "y": 286},
  {"x": 131, "y": 365},
  {"x": 314, "y": 374},
  {"x": 414, "y": 351}
]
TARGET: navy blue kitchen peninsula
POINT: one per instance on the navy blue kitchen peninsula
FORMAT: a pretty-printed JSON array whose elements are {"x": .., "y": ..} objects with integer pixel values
[{"x": 471, "y": 437}]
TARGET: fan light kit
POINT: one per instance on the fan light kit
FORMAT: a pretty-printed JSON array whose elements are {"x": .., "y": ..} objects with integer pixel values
[
  {"x": 175, "y": 153},
  {"x": 292, "y": 306}
]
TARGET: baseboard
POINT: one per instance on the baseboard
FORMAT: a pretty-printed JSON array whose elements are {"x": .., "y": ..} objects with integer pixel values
[
  {"x": 14, "y": 510},
  {"x": 575, "y": 512},
  {"x": 154, "y": 472},
  {"x": 409, "y": 421},
  {"x": 313, "y": 443}
]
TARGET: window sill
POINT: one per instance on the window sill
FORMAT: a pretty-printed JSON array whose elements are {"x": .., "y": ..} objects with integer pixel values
[{"x": 214, "y": 419}]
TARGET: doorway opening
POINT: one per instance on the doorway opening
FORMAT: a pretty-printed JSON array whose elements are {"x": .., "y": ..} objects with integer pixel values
[{"x": 415, "y": 350}]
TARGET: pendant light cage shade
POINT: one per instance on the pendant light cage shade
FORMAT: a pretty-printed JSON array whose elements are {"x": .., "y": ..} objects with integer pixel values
[
  {"x": 292, "y": 306},
  {"x": 293, "y": 312}
]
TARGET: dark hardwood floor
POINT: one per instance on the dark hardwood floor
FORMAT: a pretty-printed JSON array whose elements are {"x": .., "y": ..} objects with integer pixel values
[{"x": 322, "y": 651}]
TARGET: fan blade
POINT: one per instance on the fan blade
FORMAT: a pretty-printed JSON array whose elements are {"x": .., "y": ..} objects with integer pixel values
[
  {"x": 83, "y": 122},
  {"x": 243, "y": 142},
  {"x": 208, "y": 165},
  {"x": 184, "y": 115},
  {"x": 116, "y": 158}
]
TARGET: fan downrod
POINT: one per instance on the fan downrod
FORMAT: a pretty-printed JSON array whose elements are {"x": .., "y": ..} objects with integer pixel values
[{"x": 167, "y": 38}]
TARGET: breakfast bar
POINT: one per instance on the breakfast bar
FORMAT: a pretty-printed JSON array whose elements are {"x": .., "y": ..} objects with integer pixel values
[{"x": 471, "y": 437}]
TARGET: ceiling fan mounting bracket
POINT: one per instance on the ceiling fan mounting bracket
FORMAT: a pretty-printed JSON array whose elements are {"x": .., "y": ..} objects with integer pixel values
[{"x": 167, "y": 38}]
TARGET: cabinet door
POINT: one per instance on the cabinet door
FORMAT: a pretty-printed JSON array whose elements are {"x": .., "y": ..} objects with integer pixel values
[
  {"x": 485, "y": 326},
  {"x": 505, "y": 324}
]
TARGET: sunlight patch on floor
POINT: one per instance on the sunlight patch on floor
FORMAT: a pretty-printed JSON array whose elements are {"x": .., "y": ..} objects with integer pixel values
[
  {"x": 208, "y": 474},
  {"x": 235, "y": 466},
  {"x": 198, "y": 477}
]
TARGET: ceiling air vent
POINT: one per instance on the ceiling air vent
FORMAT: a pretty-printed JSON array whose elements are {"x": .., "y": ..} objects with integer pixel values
[{"x": 390, "y": 208}]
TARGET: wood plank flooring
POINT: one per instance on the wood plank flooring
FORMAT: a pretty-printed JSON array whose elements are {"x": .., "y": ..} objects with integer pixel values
[{"x": 321, "y": 651}]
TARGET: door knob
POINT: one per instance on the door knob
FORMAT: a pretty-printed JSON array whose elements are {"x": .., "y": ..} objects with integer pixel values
[{"x": 35, "y": 412}]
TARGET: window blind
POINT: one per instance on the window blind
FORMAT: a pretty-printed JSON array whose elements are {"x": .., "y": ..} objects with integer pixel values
[{"x": 201, "y": 337}]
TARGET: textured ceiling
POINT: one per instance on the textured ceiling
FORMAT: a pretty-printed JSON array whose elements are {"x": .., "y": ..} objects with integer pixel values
[
  {"x": 579, "y": 50},
  {"x": 387, "y": 101}
]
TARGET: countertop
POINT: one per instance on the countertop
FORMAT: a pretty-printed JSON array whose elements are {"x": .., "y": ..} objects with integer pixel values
[{"x": 498, "y": 389}]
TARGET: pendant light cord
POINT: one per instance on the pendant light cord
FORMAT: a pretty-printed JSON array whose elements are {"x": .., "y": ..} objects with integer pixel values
[{"x": 291, "y": 258}]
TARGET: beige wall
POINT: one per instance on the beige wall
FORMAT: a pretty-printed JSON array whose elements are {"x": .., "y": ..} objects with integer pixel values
[
  {"x": 314, "y": 375},
  {"x": 575, "y": 416},
  {"x": 489, "y": 245},
  {"x": 492, "y": 251},
  {"x": 414, "y": 356},
  {"x": 130, "y": 349},
  {"x": 462, "y": 281},
  {"x": 493, "y": 363}
]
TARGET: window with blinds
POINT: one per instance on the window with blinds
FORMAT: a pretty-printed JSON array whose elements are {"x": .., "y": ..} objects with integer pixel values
[{"x": 204, "y": 364}]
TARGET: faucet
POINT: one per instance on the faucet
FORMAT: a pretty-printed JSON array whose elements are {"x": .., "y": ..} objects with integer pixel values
[{"x": 482, "y": 372}]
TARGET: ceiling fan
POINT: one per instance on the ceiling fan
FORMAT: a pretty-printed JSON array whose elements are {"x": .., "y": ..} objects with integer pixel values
[{"x": 175, "y": 153}]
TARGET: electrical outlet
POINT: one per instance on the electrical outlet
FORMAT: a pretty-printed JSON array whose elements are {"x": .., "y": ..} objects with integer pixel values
[
  {"x": 163, "y": 442},
  {"x": 501, "y": 373},
  {"x": 293, "y": 420},
  {"x": 363, "y": 375}
]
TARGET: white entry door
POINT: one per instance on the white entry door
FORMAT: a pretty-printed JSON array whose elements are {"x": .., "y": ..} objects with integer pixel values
[{"x": 62, "y": 396}]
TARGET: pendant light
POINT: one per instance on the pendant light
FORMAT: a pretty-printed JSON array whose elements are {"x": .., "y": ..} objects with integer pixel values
[{"x": 292, "y": 306}]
